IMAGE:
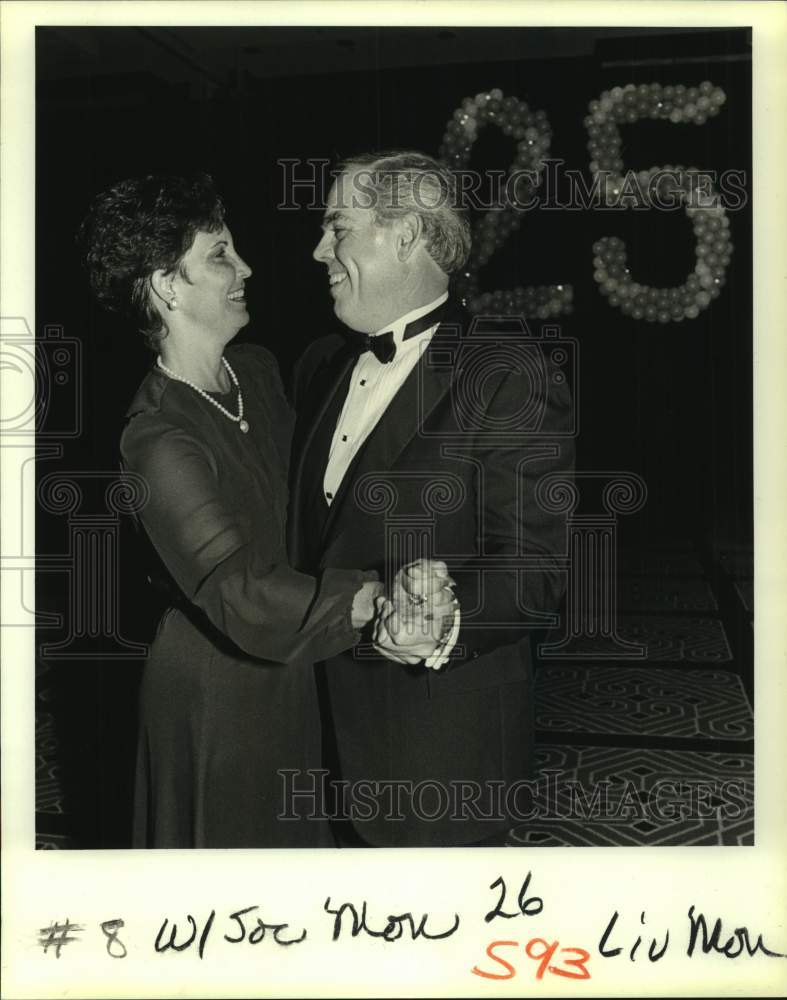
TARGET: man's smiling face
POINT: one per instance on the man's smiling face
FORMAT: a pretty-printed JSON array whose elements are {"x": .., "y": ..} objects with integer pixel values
[{"x": 364, "y": 271}]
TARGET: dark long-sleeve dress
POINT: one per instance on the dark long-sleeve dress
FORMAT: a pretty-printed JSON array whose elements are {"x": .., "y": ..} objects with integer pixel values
[{"x": 228, "y": 698}]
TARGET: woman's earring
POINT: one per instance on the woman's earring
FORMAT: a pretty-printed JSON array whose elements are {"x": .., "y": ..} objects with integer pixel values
[{"x": 172, "y": 304}]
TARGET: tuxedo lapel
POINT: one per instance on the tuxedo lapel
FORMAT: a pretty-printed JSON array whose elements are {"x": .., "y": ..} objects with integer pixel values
[
  {"x": 424, "y": 388},
  {"x": 321, "y": 392}
]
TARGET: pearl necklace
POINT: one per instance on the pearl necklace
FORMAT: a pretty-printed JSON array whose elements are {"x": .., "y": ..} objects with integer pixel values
[{"x": 242, "y": 424}]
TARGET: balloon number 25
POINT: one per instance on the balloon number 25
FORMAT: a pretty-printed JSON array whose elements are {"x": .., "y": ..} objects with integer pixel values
[{"x": 667, "y": 187}]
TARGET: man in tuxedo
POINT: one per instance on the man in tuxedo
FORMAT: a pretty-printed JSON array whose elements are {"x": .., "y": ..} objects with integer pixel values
[{"x": 417, "y": 438}]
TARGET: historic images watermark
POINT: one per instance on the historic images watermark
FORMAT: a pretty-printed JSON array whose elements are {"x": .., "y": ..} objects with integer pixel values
[
  {"x": 42, "y": 413},
  {"x": 304, "y": 184},
  {"x": 553, "y": 796}
]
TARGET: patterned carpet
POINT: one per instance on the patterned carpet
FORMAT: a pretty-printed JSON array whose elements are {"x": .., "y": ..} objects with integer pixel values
[
  {"x": 653, "y": 750},
  {"x": 608, "y": 796},
  {"x": 643, "y": 701}
]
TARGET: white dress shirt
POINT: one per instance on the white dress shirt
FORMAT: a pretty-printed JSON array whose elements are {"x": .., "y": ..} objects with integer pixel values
[{"x": 372, "y": 387}]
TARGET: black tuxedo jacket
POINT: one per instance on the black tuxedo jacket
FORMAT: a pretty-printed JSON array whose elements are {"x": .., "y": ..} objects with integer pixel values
[{"x": 449, "y": 472}]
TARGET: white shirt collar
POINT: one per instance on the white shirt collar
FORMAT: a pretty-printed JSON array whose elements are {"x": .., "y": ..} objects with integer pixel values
[{"x": 399, "y": 325}]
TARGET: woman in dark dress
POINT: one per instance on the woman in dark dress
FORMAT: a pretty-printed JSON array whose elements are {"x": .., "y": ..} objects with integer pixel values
[{"x": 228, "y": 695}]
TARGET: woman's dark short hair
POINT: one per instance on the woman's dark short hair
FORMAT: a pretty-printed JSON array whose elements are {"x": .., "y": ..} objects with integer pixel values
[{"x": 139, "y": 226}]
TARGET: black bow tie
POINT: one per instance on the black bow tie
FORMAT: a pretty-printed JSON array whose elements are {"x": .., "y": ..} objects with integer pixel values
[{"x": 382, "y": 345}]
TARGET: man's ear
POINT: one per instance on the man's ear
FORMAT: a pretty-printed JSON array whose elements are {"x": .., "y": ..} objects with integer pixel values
[
  {"x": 161, "y": 283},
  {"x": 410, "y": 230}
]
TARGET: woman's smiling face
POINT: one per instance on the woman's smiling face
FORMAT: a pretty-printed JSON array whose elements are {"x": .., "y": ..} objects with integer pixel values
[{"x": 209, "y": 284}]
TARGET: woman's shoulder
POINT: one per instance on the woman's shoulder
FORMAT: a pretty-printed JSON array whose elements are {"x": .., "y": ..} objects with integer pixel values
[
  {"x": 160, "y": 397},
  {"x": 158, "y": 416},
  {"x": 150, "y": 396},
  {"x": 252, "y": 356}
]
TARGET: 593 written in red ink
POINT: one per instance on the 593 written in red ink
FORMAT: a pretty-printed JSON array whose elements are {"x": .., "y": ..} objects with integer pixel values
[{"x": 570, "y": 963}]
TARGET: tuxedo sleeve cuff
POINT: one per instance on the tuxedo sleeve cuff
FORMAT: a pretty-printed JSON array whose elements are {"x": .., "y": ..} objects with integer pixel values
[{"x": 442, "y": 652}]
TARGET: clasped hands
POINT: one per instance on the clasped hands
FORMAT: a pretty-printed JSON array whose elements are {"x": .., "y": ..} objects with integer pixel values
[{"x": 417, "y": 615}]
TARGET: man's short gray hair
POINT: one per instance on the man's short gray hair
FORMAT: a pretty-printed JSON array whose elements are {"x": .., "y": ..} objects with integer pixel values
[{"x": 404, "y": 181}]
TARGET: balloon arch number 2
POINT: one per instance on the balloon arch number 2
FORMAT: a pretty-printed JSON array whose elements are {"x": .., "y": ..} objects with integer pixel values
[{"x": 654, "y": 187}]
